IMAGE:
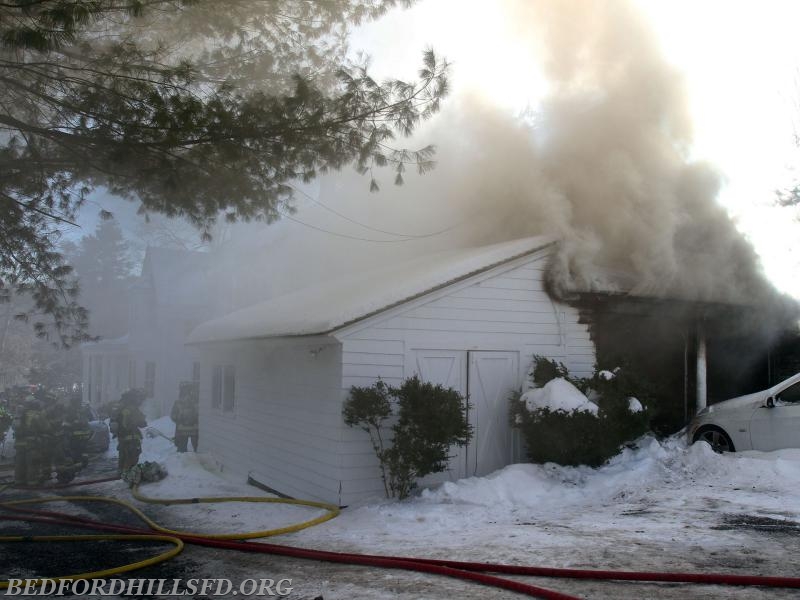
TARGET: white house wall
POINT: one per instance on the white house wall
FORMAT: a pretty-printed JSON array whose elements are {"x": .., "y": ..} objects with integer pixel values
[
  {"x": 285, "y": 428},
  {"x": 508, "y": 311}
]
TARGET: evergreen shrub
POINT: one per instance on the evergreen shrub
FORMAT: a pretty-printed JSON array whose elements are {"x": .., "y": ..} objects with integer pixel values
[
  {"x": 582, "y": 437},
  {"x": 427, "y": 420}
]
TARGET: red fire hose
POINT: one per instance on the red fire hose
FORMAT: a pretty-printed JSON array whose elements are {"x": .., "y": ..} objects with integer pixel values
[
  {"x": 473, "y": 571},
  {"x": 407, "y": 564}
]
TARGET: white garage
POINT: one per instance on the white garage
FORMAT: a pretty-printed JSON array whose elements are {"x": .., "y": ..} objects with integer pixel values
[{"x": 275, "y": 375}]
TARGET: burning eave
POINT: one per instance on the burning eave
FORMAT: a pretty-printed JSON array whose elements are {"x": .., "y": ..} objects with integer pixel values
[
  {"x": 698, "y": 350},
  {"x": 627, "y": 303}
]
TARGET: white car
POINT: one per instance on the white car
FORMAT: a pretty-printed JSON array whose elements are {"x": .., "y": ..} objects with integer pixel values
[{"x": 765, "y": 421}]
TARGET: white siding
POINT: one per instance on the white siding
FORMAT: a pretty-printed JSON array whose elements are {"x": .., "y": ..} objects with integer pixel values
[
  {"x": 508, "y": 310},
  {"x": 285, "y": 429}
]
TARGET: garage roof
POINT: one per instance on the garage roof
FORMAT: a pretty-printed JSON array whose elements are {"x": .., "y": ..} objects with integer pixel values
[{"x": 329, "y": 306}]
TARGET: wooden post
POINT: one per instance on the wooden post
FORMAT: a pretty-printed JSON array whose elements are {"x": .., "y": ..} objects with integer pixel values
[
  {"x": 686, "y": 334},
  {"x": 702, "y": 384}
]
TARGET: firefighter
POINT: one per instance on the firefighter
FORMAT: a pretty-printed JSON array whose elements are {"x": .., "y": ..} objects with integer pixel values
[
  {"x": 6, "y": 420},
  {"x": 125, "y": 425},
  {"x": 21, "y": 443},
  {"x": 31, "y": 434},
  {"x": 77, "y": 433},
  {"x": 185, "y": 414},
  {"x": 53, "y": 452}
]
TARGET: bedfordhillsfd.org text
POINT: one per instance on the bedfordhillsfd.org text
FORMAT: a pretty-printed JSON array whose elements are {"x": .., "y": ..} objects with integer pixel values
[{"x": 148, "y": 587}]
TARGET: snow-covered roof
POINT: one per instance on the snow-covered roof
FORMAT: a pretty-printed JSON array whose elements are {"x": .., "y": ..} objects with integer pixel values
[{"x": 329, "y": 306}]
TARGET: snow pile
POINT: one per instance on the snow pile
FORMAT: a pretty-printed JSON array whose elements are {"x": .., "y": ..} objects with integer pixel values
[
  {"x": 630, "y": 476},
  {"x": 558, "y": 395},
  {"x": 634, "y": 405},
  {"x": 552, "y": 486}
]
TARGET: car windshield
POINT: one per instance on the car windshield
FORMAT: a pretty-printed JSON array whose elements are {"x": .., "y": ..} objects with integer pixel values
[{"x": 790, "y": 394}]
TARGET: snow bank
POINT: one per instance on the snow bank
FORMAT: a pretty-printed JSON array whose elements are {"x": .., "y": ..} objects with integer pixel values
[
  {"x": 559, "y": 395},
  {"x": 631, "y": 475},
  {"x": 553, "y": 486}
]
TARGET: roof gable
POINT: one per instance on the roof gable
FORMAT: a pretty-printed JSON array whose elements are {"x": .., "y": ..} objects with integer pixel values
[{"x": 330, "y": 306}]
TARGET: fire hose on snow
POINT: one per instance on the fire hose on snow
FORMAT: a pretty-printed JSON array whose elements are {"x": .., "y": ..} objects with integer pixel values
[{"x": 479, "y": 572}]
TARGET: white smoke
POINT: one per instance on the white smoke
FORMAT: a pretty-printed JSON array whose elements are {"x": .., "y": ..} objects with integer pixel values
[{"x": 604, "y": 163}]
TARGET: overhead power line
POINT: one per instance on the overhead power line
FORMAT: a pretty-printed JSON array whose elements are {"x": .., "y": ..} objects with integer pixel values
[{"x": 371, "y": 228}]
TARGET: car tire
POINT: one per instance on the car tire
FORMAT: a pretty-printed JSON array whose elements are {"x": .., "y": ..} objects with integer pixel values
[{"x": 716, "y": 438}]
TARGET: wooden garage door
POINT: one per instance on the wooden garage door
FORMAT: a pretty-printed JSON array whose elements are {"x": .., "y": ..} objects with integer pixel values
[
  {"x": 447, "y": 368},
  {"x": 492, "y": 377}
]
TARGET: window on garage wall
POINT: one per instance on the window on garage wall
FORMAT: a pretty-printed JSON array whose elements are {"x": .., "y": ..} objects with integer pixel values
[{"x": 223, "y": 388}]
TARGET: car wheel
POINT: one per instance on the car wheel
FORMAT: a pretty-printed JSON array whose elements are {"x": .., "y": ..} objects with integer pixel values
[{"x": 718, "y": 440}]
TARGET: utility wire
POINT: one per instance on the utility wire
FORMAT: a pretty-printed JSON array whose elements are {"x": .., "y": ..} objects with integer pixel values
[
  {"x": 404, "y": 237},
  {"x": 375, "y": 229},
  {"x": 342, "y": 235}
]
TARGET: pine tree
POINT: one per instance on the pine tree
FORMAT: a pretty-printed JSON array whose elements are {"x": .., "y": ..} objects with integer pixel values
[
  {"x": 103, "y": 266},
  {"x": 194, "y": 108}
]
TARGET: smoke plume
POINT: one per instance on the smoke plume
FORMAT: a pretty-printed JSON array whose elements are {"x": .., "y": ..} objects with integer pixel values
[
  {"x": 603, "y": 163},
  {"x": 616, "y": 137},
  {"x": 606, "y": 164}
]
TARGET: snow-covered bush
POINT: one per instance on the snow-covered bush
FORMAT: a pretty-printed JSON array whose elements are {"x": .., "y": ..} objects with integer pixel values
[
  {"x": 577, "y": 421},
  {"x": 428, "y": 421}
]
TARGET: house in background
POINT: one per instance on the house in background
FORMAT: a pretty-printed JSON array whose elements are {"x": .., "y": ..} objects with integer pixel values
[
  {"x": 169, "y": 299},
  {"x": 274, "y": 376}
]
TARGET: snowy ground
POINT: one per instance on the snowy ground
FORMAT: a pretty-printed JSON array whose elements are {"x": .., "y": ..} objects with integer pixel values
[{"x": 662, "y": 507}]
